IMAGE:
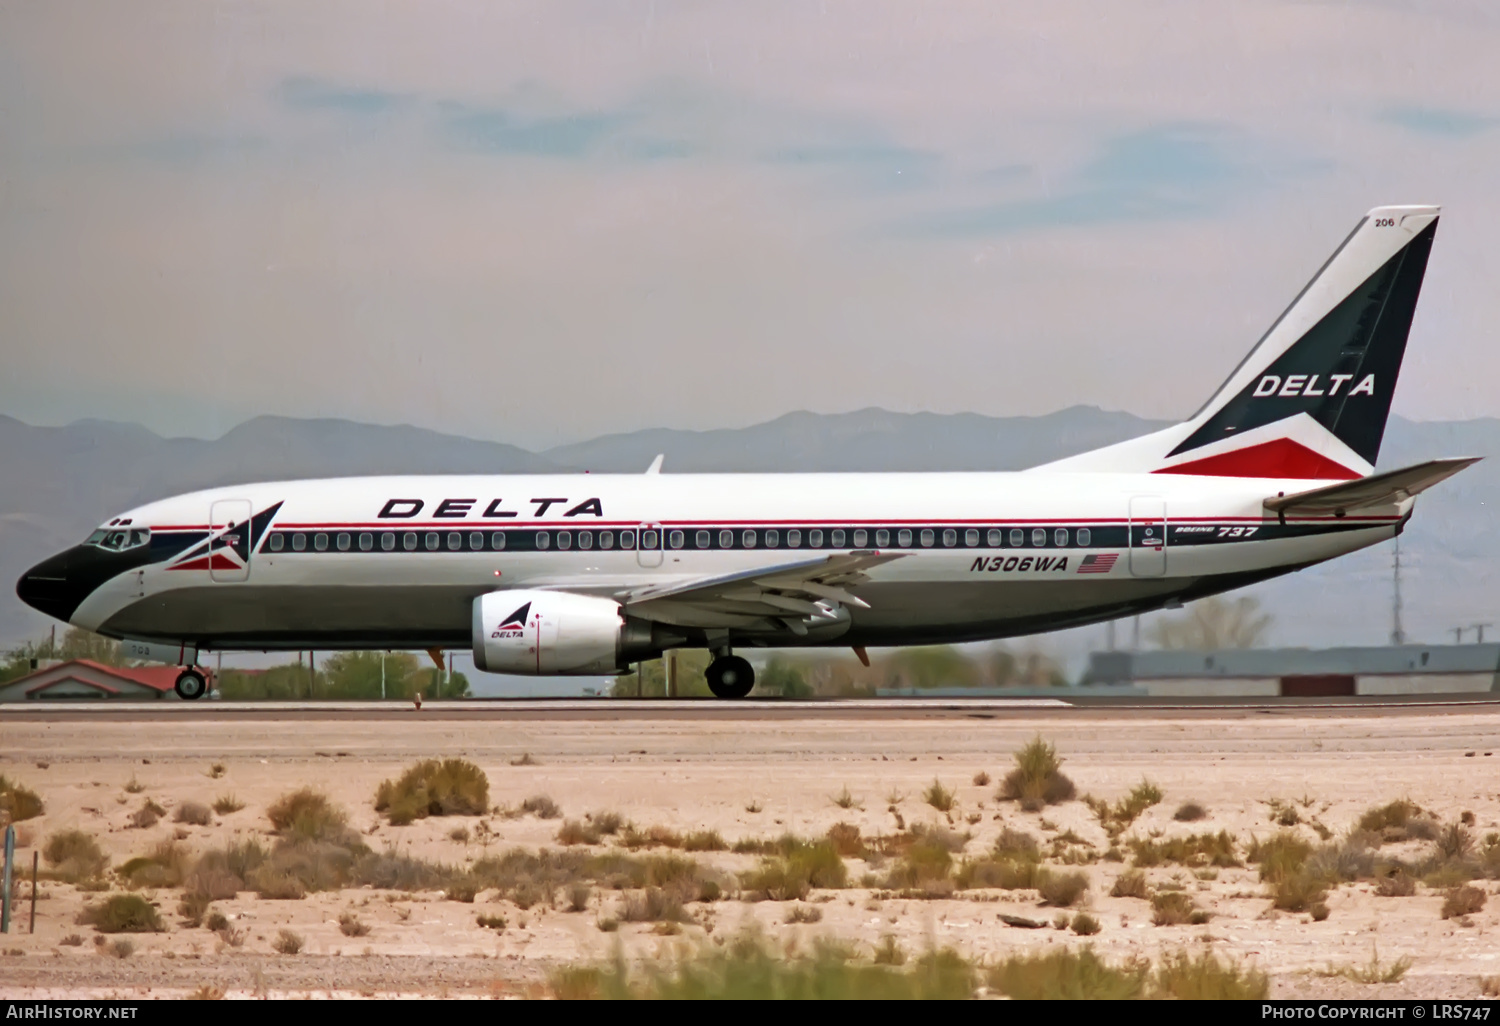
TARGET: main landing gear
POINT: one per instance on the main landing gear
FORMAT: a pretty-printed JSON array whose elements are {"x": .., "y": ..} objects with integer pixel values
[
  {"x": 730, "y": 676},
  {"x": 191, "y": 685}
]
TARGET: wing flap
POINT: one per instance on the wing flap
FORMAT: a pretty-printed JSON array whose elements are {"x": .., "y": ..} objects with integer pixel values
[{"x": 1389, "y": 488}]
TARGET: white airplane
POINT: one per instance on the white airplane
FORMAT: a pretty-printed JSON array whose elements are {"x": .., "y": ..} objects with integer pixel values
[{"x": 588, "y": 574}]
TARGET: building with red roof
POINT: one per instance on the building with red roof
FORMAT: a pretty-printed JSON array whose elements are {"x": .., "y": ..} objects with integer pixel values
[{"x": 86, "y": 679}]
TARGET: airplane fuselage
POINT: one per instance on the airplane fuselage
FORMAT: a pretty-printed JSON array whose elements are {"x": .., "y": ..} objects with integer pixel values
[{"x": 397, "y": 562}]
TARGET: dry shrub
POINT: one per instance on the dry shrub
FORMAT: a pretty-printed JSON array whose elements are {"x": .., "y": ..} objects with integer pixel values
[
  {"x": 938, "y": 796},
  {"x": 216, "y": 770},
  {"x": 1036, "y": 780},
  {"x": 1017, "y": 844},
  {"x": 306, "y": 814},
  {"x": 1396, "y": 814},
  {"x": 578, "y": 897},
  {"x": 1192, "y": 850},
  {"x": 1204, "y": 978},
  {"x": 207, "y": 992},
  {"x": 122, "y": 948},
  {"x": 75, "y": 856},
  {"x": 447, "y": 787},
  {"x": 607, "y": 823},
  {"x": 350, "y": 925},
  {"x": 1300, "y": 892},
  {"x": 541, "y": 806},
  {"x": 192, "y": 908},
  {"x": 845, "y": 800},
  {"x": 1190, "y": 812},
  {"x": 573, "y": 832},
  {"x": 1462, "y": 901},
  {"x": 1281, "y": 855},
  {"x": 122, "y": 913},
  {"x": 18, "y": 802},
  {"x": 704, "y": 840},
  {"x": 846, "y": 840},
  {"x": 926, "y": 867},
  {"x": 194, "y": 814},
  {"x": 654, "y": 905},
  {"x": 1067, "y": 974},
  {"x": 1397, "y": 885},
  {"x": 652, "y": 837},
  {"x": 1373, "y": 971},
  {"x": 1131, "y": 884},
  {"x": 216, "y": 922},
  {"x": 1353, "y": 858},
  {"x": 134, "y": 786},
  {"x": 1174, "y": 908},
  {"x": 1061, "y": 890},
  {"x": 497, "y": 923},
  {"x": 1086, "y": 925},
  {"x": 166, "y": 866},
  {"x": 1010, "y": 874},
  {"x": 804, "y": 914},
  {"x": 287, "y": 943},
  {"x": 147, "y": 815},
  {"x": 1455, "y": 842},
  {"x": 802, "y": 866},
  {"x": 227, "y": 803}
]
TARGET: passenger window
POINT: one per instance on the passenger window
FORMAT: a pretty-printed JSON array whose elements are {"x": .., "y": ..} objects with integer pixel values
[
  {"x": 927, "y": 537},
  {"x": 882, "y": 538},
  {"x": 726, "y": 539},
  {"x": 994, "y": 537},
  {"x": 543, "y": 540},
  {"x": 1060, "y": 537},
  {"x": 366, "y": 542},
  {"x": 1039, "y": 536},
  {"x": 299, "y": 542},
  {"x": 793, "y": 539},
  {"x": 388, "y": 541},
  {"x": 1084, "y": 537},
  {"x": 455, "y": 541},
  {"x": 950, "y": 538},
  {"x": 703, "y": 539},
  {"x": 815, "y": 539},
  {"x": 585, "y": 539},
  {"x": 860, "y": 539},
  {"x": 772, "y": 538},
  {"x": 476, "y": 541},
  {"x": 320, "y": 541},
  {"x": 747, "y": 539},
  {"x": 277, "y": 541},
  {"x": 837, "y": 538},
  {"x": 408, "y": 541},
  {"x": 675, "y": 539},
  {"x": 648, "y": 539},
  {"x": 1017, "y": 537},
  {"x": 564, "y": 539},
  {"x": 342, "y": 541},
  {"x": 903, "y": 538},
  {"x": 431, "y": 542},
  {"x": 627, "y": 539},
  {"x": 497, "y": 540},
  {"x": 971, "y": 537},
  {"x": 606, "y": 539}
]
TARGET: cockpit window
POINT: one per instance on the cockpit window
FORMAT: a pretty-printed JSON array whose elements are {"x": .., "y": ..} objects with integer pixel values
[{"x": 119, "y": 539}]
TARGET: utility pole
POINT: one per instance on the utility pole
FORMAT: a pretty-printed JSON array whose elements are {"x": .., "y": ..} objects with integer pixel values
[
  {"x": 1458, "y": 635},
  {"x": 1110, "y": 636},
  {"x": 382, "y": 676},
  {"x": 1135, "y": 634},
  {"x": 1398, "y": 635},
  {"x": 1479, "y": 631}
]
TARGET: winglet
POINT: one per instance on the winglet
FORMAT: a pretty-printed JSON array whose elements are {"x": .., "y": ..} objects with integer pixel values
[{"x": 655, "y": 467}]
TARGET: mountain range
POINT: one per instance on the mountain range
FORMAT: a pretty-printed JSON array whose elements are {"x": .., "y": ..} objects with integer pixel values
[{"x": 58, "y": 483}]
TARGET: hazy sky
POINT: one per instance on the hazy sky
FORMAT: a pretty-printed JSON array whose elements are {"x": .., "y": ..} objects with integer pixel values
[{"x": 538, "y": 222}]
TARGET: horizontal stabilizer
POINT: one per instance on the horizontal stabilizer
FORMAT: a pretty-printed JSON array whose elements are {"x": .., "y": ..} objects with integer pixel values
[{"x": 1394, "y": 486}]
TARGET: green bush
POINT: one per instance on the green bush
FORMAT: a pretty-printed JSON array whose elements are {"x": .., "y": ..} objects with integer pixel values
[
  {"x": 1067, "y": 974},
  {"x": 450, "y": 787},
  {"x": 1174, "y": 908},
  {"x": 166, "y": 866},
  {"x": 122, "y": 913},
  {"x": 1061, "y": 889},
  {"x": 1131, "y": 884},
  {"x": 802, "y": 866},
  {"x": 1192, "y": 850},
  {"x": 1280, "y": 856},
  {"x": 1205, "y": 978},
  {"x": 925, "y": 865}
]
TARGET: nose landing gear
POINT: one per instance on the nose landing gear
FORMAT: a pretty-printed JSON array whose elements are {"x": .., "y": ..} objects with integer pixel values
[
  {"x": 730, "y": 676},
  {"x": 191, "y": 685}
]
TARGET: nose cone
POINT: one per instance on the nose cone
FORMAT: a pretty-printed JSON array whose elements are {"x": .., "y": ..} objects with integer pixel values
[{"x": 47, "y": 587}]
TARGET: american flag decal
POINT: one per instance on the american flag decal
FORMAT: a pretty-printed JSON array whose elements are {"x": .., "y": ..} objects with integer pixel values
[{"x": 1098, "y": 564}]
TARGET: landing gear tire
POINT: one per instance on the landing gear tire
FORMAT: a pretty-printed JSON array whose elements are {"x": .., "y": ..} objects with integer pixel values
[
  {"x": 191, "y": 685},
  {"x": 730, "y": 677}
]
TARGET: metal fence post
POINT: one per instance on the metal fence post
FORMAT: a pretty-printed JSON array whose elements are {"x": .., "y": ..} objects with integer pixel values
[{"x": 10, "y": 858}]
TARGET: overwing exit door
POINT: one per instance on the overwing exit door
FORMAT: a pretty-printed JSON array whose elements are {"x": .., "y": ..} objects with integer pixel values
[
  {"x": 648, "y": 547},
  {"x": 1148, "y": 536}
]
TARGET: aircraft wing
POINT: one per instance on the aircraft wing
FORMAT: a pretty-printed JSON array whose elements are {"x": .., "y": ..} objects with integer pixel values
[
  {"x": 1387, "y": 489},
  {"x": 787, "y": 593}
]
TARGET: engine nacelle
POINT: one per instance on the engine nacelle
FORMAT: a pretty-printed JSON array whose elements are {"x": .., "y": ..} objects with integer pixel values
[{"x": 550, "y": 632}]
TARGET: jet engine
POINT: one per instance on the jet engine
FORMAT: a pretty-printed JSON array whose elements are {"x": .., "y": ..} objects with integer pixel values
[{"x": 555, "y": 632}]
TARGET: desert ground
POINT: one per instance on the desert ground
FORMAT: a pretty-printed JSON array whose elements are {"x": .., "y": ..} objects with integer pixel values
[{"x": 752, "y": 779}]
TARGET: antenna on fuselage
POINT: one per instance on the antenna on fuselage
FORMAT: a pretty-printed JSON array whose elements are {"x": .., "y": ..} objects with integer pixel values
[{"x": 655, "y": 467}]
